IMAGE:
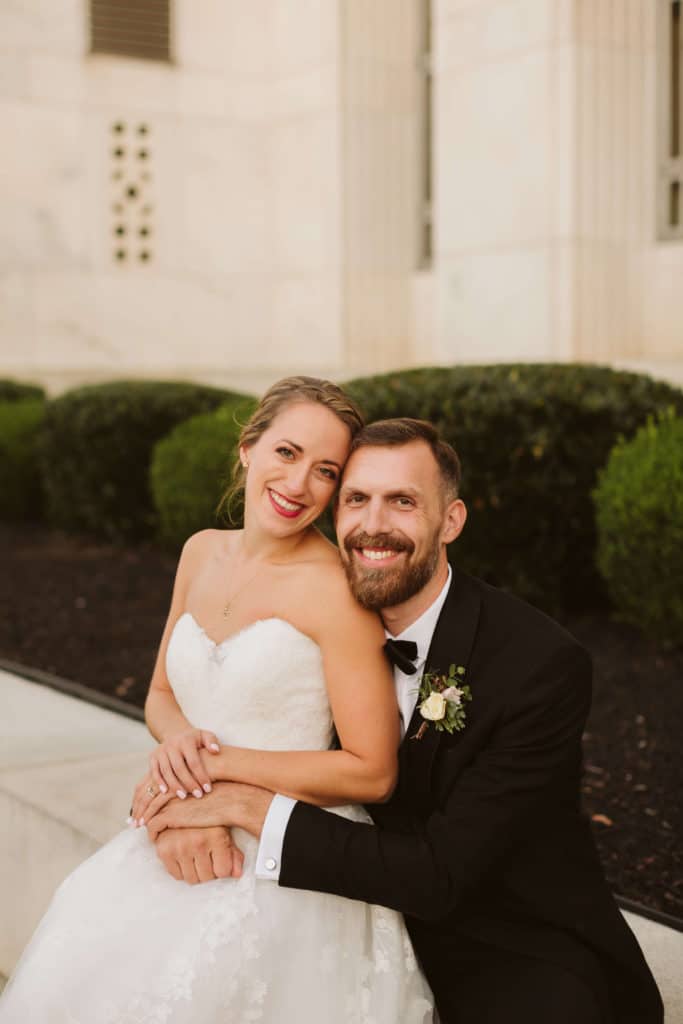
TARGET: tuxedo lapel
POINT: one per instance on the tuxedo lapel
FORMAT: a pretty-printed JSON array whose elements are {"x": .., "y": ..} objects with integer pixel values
[{"x": 451, "y": 644}]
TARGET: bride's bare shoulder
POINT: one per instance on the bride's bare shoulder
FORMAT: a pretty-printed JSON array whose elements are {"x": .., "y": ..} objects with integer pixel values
[
  {"x": 322, "y": 586},
  {"x": 205, "y": 546}
]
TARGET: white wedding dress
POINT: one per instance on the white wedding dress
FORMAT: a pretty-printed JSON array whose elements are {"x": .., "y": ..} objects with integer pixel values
[{"x": 124, "y": 943}]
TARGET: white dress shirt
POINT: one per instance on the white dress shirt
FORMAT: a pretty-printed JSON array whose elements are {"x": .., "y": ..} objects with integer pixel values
[{"x": 420, "y": 632}]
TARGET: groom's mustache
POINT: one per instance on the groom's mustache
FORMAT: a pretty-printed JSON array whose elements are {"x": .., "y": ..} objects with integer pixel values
[{"x": 391, "y": 541}]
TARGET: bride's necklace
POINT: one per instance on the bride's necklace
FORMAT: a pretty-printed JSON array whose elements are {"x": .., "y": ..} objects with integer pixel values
[{"x": 227, "y": 607}]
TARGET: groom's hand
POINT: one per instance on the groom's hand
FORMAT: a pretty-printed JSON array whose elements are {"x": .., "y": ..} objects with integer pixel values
[
  {"x": 196, "y": 855},
  {"x": 229, "y": 803}
]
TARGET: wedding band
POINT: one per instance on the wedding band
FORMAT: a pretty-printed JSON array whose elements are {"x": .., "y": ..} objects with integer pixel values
[{"x": 151, "y": 791}]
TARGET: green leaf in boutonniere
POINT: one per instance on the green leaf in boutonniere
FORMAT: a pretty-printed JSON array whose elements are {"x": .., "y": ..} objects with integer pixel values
[{"x": 442, "y": 700}]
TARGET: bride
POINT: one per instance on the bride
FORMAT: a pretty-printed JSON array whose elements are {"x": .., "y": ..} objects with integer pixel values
[{"x": 263, "y": 648}]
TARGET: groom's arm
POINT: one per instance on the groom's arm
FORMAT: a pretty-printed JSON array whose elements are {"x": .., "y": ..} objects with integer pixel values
[
  {"x": 427, "y": 869},
  {"x": 427, "y": 873}
]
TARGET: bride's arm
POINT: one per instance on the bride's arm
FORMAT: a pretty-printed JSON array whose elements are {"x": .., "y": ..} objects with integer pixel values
[
  {"x": 175, "y": 763},
  {"x": 363, "y": 702}
]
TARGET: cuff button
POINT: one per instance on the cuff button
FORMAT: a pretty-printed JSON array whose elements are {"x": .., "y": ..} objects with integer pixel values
[{"x": 271, "y": 864}]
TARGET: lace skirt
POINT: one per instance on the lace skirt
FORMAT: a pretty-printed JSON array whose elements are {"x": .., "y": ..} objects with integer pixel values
[{"x": 124, "y": 943}]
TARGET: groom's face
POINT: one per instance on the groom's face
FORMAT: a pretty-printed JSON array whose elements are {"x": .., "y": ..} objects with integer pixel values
[{"x": 390, "y": 522}]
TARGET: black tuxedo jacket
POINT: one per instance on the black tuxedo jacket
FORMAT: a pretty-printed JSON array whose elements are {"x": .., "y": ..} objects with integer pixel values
[{"x": 482, "y": 844}]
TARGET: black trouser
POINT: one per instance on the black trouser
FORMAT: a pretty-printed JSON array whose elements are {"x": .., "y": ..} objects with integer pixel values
[{"x": 506, "y": 988}]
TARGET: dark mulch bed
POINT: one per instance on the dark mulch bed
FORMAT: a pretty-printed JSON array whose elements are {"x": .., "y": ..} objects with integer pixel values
[{"x": 93, "y": 613}]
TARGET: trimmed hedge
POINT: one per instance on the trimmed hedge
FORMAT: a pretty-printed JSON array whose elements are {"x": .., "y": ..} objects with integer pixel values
[
  {"x": 21, "y": 491},
  {"x": 532, "y": 438},
  {"x": 98, "y": 444},
  {"x": 639, "y": 513},
  {"x": 17, "y": 391},
  {"x": 191, "y": 469}
]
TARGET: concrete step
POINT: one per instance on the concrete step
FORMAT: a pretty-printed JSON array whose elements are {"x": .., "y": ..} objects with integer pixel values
[{"x": 67, "y": 771}]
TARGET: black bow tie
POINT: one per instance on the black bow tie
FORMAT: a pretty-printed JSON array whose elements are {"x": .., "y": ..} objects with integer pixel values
[{"x": 402, "y": 654}]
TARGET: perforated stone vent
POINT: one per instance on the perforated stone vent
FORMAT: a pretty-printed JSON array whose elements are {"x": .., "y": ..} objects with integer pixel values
[{"x": 132, "y": 203}]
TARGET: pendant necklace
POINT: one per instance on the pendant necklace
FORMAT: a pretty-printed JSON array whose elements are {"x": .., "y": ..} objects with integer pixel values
[{"x": 227, "y": 607}]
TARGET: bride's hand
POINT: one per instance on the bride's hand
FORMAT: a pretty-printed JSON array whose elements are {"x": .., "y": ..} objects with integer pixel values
[
  {"x": 176, "y": 764},
  {"x": 144, "y": 794}
]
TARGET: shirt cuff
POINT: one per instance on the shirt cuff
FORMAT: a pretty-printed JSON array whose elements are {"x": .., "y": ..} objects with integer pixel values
[{"x": 269, "y": 856}]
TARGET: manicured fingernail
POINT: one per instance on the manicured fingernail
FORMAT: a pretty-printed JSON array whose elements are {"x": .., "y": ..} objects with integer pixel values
[
  {"x": 181, "y": 793},
  {"x": 163, "y": 787},
  {"x": 141, "y": 821},
  {"x": 214, "y": 746},
  {"x": 207, "y": 787},
  {"x": 197, "y": 793},
  {"x": 129, "y": 820}
]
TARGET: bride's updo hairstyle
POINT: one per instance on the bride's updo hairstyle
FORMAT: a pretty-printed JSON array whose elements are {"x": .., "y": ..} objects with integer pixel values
[{"x": 286, "y": 392}]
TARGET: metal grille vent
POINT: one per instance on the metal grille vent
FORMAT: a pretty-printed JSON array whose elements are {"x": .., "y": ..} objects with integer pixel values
[{"x": 131, "y": 28}]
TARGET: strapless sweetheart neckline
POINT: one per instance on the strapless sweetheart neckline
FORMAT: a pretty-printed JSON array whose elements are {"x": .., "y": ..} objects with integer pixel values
[{"x": 218, "y": 644}]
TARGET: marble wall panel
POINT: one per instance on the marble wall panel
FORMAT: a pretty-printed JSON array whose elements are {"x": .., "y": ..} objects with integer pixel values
[
  {"x": 15, "y": 75},
  {"x": 306, "y": 91},
  {"x": 484, "y": 33},
  {"x": 224, "y": 178},
  {"x": 117, "y": 85},
  {"x": 304, "y": 34},
  {"x": 494, "y": 187},
  {"x": 225, "y": 36},
  {"x": 495, "y": 305},
  {"x": 307, "y": 324},
  {"x": 41, "y": 182},
  {"x": 304, "y": 215},
  {"x": 662, "y": 323},
  {"x": 44, "y": 26},
  {"x": 17, "y": 321}
]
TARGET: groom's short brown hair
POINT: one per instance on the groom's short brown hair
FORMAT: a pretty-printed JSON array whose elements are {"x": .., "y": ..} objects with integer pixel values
[{"x": 395, "y": 433}]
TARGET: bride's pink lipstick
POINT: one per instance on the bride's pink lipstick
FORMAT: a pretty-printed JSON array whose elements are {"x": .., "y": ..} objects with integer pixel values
[{"x": 286, "y": 512}]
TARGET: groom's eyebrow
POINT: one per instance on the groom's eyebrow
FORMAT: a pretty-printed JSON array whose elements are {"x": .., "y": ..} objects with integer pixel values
[
  {"x": 397, "y": 492},
  {"x": 297, "y": 447}
]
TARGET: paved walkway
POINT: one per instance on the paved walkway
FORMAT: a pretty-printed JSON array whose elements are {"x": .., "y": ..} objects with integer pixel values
[{"x": 67, "y": 769}]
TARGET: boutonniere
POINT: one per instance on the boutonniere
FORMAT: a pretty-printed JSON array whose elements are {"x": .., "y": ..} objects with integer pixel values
[{"x": 442, "y": 700}]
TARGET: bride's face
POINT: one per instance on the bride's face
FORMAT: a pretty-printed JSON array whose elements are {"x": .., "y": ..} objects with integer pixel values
[{"x": 294, "y": 467}]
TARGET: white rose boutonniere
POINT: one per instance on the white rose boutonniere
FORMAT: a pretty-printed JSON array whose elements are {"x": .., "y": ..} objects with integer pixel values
[
  {"x": 434, "y": 707},
  {"x": 442, "y": 699}
]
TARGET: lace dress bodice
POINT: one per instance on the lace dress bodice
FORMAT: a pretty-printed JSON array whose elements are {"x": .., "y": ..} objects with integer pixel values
[{"x": 263, "y": 687}]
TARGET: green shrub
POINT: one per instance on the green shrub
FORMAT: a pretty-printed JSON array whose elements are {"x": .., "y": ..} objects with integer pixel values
[
  {"x": 16, "y": 391},
  {"x": 191, "y": 469},
  {"x": 532, "y": 439},
  {"x": 639, "y": 513},
  {"x": 97, "y": 448},
  {"x": 21, "y": 492}
]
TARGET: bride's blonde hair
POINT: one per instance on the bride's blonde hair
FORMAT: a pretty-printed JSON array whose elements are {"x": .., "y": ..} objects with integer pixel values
[{"x": 285, "y": 392}]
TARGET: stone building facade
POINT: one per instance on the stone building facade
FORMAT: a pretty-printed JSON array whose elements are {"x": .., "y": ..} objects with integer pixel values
[{"x": 232, "y": 191}]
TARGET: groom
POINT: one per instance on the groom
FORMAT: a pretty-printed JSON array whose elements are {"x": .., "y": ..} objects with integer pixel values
[{"x": 482, "y": 845}]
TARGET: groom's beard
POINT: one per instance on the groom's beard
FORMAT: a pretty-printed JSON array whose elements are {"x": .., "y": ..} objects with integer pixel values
[{"x": 385, "y": 587}]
